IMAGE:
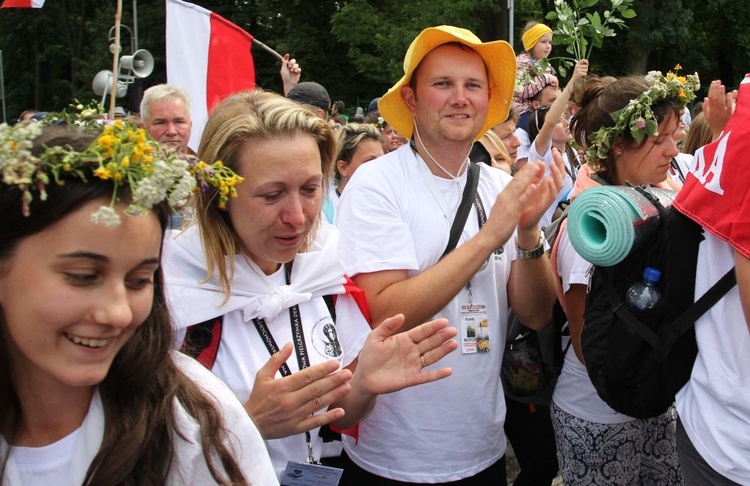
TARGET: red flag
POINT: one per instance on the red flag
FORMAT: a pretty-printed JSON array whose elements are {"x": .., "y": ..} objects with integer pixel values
[
  {"x": 22, "y": 4},
  {"x": 716, "y": 193},
  {"x": 208, "y": 56}
]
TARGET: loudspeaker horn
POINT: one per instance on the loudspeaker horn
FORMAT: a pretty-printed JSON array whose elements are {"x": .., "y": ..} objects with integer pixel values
[
  {"x": 141, "y": 63},
  {"x": 103, "y": 83}
]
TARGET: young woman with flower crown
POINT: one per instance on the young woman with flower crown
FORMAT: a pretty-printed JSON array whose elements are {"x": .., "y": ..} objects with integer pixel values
[
  {"x": 256, "y": 277},
  {"x": 90, "y": 392},
  {"x": 627, "y": 126}
]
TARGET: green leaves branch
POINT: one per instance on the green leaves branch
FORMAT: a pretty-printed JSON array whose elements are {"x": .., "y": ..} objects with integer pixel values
[{"x": 581, "y": 28}]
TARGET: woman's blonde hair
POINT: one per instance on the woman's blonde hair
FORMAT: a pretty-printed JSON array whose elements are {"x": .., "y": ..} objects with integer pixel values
[
  {"x": 349, "y": 137},
  {"x": 245, "y": 116},
  {"x": 493, "y": 139},
  {"x": 700, "y": 134}
]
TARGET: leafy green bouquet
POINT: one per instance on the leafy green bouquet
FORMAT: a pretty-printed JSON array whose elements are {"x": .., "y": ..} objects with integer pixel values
[{"x": 581, "y": 28}]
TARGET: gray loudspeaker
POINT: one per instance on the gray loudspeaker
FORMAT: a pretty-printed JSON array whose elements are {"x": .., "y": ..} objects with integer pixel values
[
  {"x": 103, "y": 83},
  {"x": 141, "y": 63}
]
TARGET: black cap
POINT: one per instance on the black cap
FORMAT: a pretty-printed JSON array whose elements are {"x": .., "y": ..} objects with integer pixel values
[{"x": 310, "y": 93}]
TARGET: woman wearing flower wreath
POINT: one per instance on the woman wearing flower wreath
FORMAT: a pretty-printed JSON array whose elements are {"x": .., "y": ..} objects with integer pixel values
[
  {"x": 91, "y": 393},
  {"x": 255, "y": 281},
  {"x": 627, "y": 125}
]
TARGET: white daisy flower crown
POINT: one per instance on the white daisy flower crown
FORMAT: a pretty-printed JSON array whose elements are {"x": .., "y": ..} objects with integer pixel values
[
  {"x": 638, "y": 117},
  {"x": 122, "y": 153}
]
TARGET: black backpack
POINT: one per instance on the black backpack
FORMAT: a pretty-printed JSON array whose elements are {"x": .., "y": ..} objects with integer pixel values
[
  {"x": 533, "y": 360},
  {"x": 638, "y": 360}
]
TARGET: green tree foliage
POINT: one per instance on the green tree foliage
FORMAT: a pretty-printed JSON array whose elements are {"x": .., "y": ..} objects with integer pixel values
[
  {"x": 378, "y": 32},
  {"x": 580, "y": 28},
  {"x": 353, "y": 47}
]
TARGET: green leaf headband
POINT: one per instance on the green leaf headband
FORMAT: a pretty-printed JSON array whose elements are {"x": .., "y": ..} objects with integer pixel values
[
  {"x": 123, "y": 154},
  {"x": 638, "y": 116}
]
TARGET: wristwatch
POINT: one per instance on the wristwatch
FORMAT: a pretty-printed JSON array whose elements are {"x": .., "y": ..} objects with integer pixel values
[{"x": 533, "y": 253}]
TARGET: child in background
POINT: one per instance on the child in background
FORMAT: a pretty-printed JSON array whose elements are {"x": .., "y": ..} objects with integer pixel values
[{"x": 531, "y": 64}]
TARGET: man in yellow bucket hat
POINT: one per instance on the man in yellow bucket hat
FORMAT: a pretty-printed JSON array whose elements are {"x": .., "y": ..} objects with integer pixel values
[{"x": 395, "y": 218}]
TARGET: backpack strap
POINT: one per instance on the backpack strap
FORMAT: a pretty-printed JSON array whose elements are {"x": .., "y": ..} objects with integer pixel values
[
  {"x": 701, "y": 306},
  {"x": 596, "y": 177},
  {"x": 462, "y": 214},
  {"x": 618, "y": 307},
  {"x": 553, "y": 259},
  {"x": 330, "y": 301},
  {"x": 202, "y": 341}
]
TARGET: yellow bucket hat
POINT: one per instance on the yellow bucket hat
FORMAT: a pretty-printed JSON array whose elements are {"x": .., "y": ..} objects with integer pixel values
[{"x": 498, "y": 56}]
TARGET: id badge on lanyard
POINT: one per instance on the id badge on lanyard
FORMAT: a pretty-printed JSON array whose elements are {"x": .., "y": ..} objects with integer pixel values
[
  {"x": 475, "y": 329},
  {"x": 311, "y": 473}
]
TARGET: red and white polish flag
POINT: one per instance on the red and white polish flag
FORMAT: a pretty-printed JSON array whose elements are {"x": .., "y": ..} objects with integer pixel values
[
  {"x": 209, "y": 57},
  {"x": 715, "y": 192},
  {"x": 22, "y": 4}
]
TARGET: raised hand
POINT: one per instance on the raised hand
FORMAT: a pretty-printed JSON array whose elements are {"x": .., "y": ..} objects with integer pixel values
[
  {"x": 580, "y": 70},
  {"x": 290, "y": 73},
  {"x": 286, "y": 406},
  {"x": 524, "y": 201},
  {"x": 545, "y": 193},
  {"x": 390, "y": 362},
  {"x": 718, "y": 107}
]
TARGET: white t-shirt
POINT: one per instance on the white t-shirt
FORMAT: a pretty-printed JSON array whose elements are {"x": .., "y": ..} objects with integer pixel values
[
  {"x": 567, "y": 187},
  {"x": 66, "y": 461},
  {"x": 574, "y": 393},
  {"x": 391, "y": 219},
  {"x": 523, "y": 149},
  {"x": 714, "y": 406},
  {"x": 48, "y": 465},
  {"x": 684, "y": 163},
  {"x": 242, "y": 351}
]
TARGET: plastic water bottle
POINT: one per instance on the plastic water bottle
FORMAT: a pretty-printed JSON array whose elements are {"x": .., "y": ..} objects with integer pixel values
[{"x": 645, "y": 294}]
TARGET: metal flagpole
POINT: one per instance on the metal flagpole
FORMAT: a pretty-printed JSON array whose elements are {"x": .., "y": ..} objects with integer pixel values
[
  {"x": 115, "y": 48},
  {"x": 511, "y": 12}
]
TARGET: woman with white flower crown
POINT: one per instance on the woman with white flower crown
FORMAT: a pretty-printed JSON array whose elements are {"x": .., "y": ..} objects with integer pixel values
[
  {"x": 90, "y": 391},
  {"x": 626, "y": 125},
  {"x": 257, "y": 286}
]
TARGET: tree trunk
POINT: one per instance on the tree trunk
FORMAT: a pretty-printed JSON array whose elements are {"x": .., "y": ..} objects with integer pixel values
[{"x": 637, "y": 62}]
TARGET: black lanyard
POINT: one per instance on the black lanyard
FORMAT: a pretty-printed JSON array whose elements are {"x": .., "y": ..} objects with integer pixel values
[
  {"x": 676, "y": 167},
  {"x": 303, "y": 359},
  {"x": 482, "y": 217}
]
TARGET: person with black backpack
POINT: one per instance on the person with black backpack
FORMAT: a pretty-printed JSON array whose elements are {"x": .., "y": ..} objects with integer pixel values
[{"x": 626, "y": 125}]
